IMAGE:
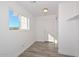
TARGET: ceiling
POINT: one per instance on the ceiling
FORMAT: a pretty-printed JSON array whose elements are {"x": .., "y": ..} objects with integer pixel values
[{"x": 36, "y": 7}]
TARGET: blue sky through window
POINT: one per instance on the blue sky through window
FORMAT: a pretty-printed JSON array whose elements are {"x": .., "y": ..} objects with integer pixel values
[{"x": 14, "y": 21}]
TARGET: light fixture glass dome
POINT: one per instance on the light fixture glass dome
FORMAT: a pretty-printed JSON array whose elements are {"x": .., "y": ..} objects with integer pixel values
[{"x": 45, "y": 10}]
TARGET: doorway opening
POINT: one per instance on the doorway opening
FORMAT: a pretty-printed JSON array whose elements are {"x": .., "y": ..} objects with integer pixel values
[{"x": 53, "y": 40}]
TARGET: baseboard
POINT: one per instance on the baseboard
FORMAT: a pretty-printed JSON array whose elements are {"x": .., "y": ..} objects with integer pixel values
[
  {"x": 66, "y": 54},
  {"x": 26, "y": 47}
]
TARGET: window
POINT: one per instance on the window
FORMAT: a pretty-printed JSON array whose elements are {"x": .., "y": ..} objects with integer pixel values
[
  {"x": 24, "y": 23},
  {"x": 18, "y": 22},
  {"x": 14, "y": 22}
]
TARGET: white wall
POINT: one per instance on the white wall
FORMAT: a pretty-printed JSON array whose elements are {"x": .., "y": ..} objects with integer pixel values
[
  {"x": 68, "y": 29},
  {"x": 12, "y": 43},
  {"x": 45, "y": 25}
]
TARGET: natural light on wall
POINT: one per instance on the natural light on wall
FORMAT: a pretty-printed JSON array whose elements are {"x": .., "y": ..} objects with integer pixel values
[
  {"x": 51, "y": 39},
  {"x": 18, "y": 22}
]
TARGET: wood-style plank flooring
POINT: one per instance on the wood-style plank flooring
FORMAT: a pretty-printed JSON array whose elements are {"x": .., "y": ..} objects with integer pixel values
[{"x": 42, "y": 49}]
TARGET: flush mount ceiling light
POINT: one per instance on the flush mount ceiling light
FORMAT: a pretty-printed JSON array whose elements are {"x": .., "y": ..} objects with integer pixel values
[
  {"x": 33, "y": 1},
  {"x": 45, "y": 10}
]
